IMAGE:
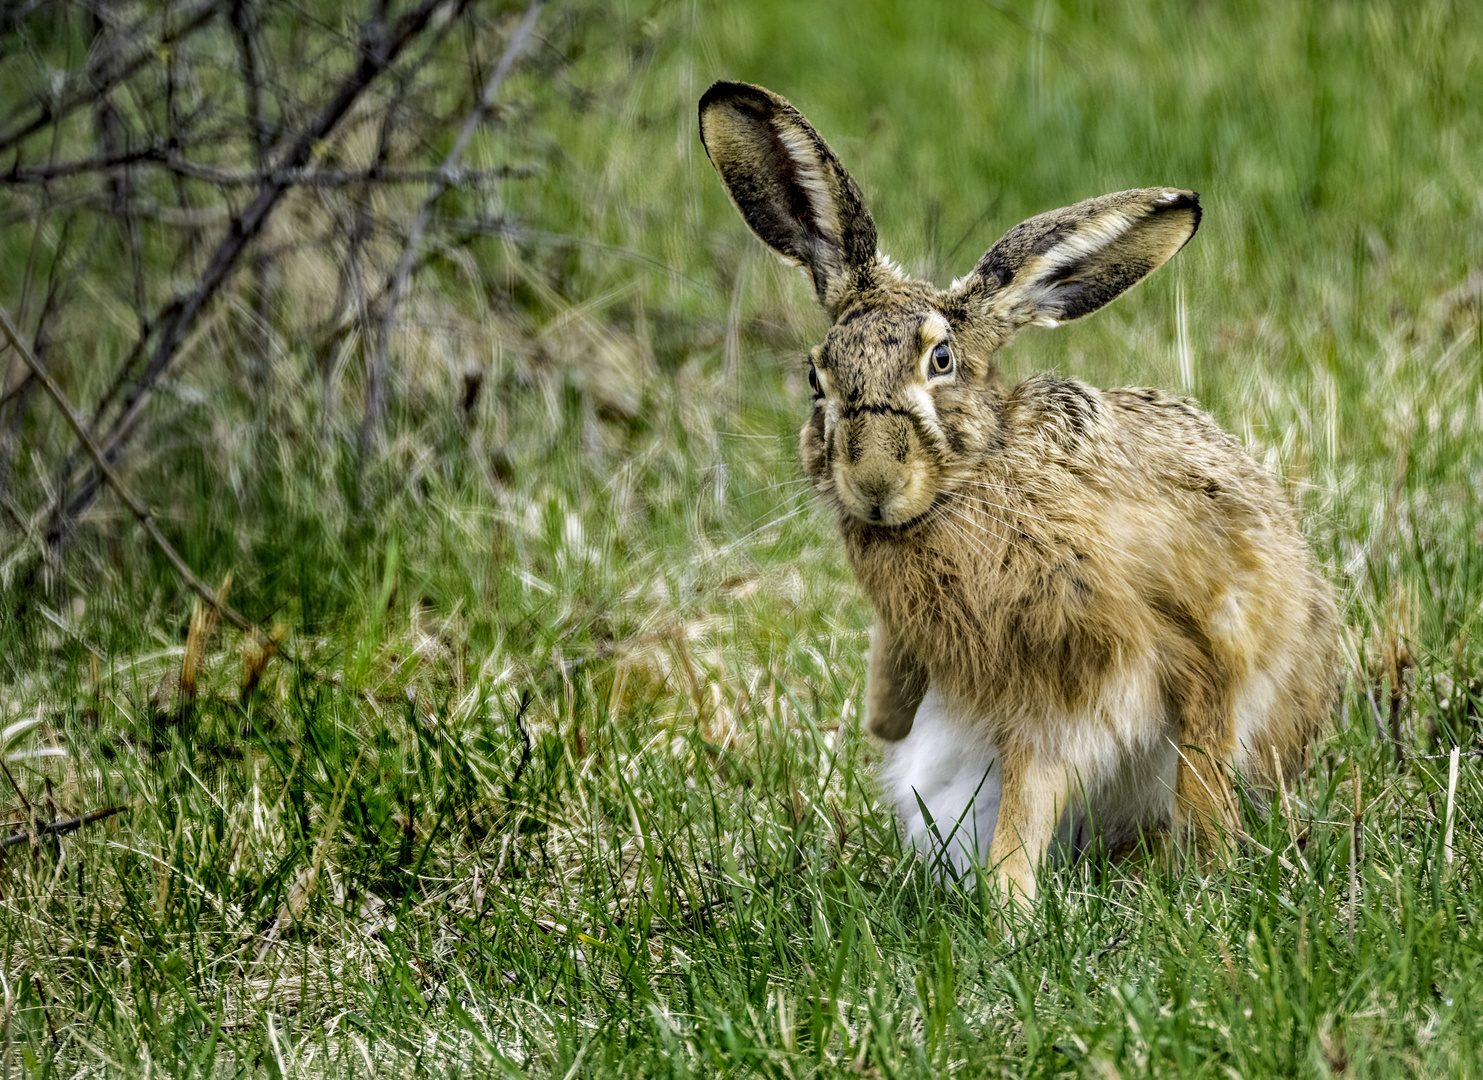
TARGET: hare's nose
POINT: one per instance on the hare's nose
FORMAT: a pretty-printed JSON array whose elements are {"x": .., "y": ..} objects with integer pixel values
[{"x": 877, "y": 487}]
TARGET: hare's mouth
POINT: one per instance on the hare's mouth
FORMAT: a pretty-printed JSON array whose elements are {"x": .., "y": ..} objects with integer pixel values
[
  {"x": 912, "y": 523},
  {"x": 884, "y": 494},
  {"x": 899, "y": 528}
]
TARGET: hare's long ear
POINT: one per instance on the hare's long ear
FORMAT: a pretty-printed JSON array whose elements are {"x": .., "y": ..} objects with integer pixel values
[
  {"x": 1067, "y": 263},
  {"x": 790, "y": 188}
]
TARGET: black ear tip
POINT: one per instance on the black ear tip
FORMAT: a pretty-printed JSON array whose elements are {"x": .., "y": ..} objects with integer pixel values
[
  {"x": 723, "y": 88},
  {"x": 1180, "y": 200},
  {"x": 743, "y": 97},
  {"x": 1192, "y": 201}
]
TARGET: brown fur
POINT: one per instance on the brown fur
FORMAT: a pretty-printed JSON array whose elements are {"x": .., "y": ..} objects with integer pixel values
[{"x": 1026, "y": 547}]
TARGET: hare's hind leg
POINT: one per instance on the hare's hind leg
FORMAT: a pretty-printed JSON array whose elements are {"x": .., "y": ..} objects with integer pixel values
[{"x": 1205, "y": 723}]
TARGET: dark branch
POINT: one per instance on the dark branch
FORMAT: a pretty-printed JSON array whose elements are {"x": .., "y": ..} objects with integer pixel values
[
  {"x": 310, "y": 176},
  {"x": 61, "y": 828}
]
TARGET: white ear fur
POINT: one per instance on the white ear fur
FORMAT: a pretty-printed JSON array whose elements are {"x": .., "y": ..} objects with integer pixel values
[
  {"x": 1036, "y": 297},
  {"x": 810, "y": 176}
]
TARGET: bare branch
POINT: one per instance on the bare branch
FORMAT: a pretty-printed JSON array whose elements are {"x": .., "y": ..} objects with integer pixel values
[
  {"x": 377, "y": 53},
  {"x": 99, "y": 78}
]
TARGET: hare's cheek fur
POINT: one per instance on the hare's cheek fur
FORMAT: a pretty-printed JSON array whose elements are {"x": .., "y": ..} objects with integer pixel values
[{"x": 813, "y": 449}]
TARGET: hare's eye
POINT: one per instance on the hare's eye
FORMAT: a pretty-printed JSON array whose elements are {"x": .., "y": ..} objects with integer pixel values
[
  {"x": 813, "y": 381},
  {"x": 942, "y": 359}
]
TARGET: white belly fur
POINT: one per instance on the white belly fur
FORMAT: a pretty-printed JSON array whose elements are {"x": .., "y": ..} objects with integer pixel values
[{"x": 1119, "y": 759}]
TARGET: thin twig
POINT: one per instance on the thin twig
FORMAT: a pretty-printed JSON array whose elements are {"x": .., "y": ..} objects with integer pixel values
[
  {"x": 94, "y": 82},
  {"x": 525, "y": 744},
  {"x": 1448, "y": 756},
  {"x": 25, "y": 802},
  {"x": 305, "y": 176},
  {"x": 139, "y": 510}
]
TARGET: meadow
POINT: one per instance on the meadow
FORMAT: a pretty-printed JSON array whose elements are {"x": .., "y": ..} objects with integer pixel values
[{"x": 543, "y": 756}]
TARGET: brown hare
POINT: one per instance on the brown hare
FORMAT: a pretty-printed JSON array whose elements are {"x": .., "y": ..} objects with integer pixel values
[{"x": 1092, "y": 606}]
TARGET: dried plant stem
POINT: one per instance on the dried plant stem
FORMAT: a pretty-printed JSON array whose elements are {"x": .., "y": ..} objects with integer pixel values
[
  {"x": 1354, "y": 846},
  {"x": 1451, "y": 815}
]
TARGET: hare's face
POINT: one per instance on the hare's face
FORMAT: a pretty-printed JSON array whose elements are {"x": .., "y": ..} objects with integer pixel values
[
  {"x": 903, "y": 408},
  {"x": 906, "y": 399}
]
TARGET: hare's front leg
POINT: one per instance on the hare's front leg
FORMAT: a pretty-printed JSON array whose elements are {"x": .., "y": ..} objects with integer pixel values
[
  {"x": 1031, "y": 799},
  {"x": 896, "y": 682}
]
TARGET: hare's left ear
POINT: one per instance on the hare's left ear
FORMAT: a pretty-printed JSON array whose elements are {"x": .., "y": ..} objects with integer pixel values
[
  {"x": 1065, "y": 264},
  {"x": 790, "y": 188}
]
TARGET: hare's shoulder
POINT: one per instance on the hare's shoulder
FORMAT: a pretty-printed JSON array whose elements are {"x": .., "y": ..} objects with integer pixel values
[
  {"x": 1050, "y": 400},
  {"x": 1175, "y": 435},
  {"x": 1077, "y": 418},
  {"x": 1061, "y": 412},
  {"x": 1159, "y": 408},
  {"x": 1138, "y": 439}
]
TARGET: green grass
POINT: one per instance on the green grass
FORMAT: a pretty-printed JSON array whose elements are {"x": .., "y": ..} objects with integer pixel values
[{"x": 568, "y": 778}]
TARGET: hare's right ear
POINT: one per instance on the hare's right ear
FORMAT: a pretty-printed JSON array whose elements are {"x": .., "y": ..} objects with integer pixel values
[{"x": 790, "y": 188}]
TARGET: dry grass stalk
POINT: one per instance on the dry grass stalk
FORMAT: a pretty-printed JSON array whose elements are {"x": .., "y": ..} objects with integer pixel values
[
  {"x": 1354, "y": 778},
  {"x": 256, "y": 652},
  {"x": 202, "y": 626},
  {"x": 304, "y": 885},
  {"x": 1451, "y": 815},
  {"x": 1292, "y": 827},
  {"x": 1395, "y": 665}
]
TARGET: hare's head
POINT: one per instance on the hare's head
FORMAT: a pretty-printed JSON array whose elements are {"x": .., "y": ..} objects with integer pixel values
[{"x": 907, "y": 399}]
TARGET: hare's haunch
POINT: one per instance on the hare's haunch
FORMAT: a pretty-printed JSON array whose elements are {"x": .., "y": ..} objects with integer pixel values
[{"x": 1091, "y": 605}]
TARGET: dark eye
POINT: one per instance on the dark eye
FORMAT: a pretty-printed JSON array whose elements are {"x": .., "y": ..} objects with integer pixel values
[
  {"x": 942, "y": 359},
  {"x": 813, "y": 381}
]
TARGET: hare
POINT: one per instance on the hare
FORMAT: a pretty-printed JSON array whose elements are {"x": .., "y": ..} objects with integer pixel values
[{"x": 1092, "y": 606}]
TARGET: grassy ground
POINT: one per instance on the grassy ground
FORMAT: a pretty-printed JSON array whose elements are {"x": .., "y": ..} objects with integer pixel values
[{"x": 565, "y": 777}]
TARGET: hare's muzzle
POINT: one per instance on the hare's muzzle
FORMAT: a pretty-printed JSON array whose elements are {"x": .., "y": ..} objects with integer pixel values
[{"x": 879, "y": 471}]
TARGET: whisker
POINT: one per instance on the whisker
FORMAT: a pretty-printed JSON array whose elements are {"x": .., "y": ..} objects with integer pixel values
[
  {"x": 793, "y": 513},
  {"x": 1035, "y": 549},
  {"x": 778, "y": 486},
  {"x": 998, "y": 512},
  {"x": 1021, "y": 512},
  {"x": 976, "y": 524}
]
